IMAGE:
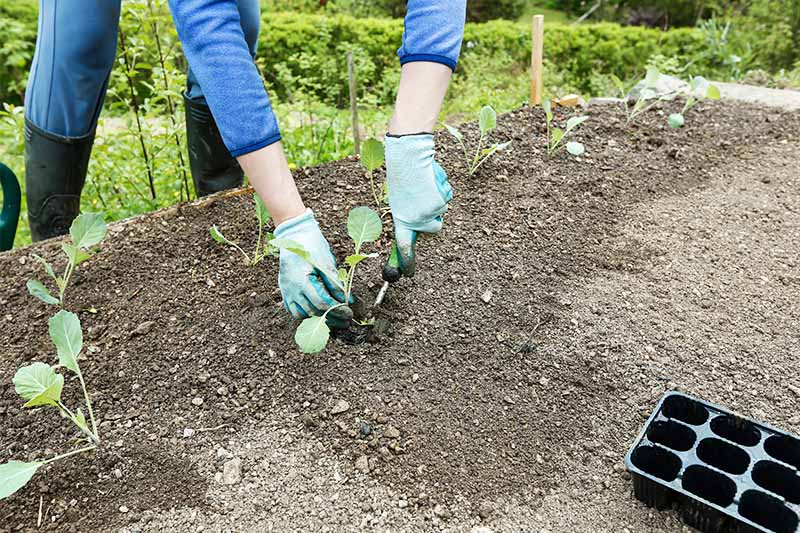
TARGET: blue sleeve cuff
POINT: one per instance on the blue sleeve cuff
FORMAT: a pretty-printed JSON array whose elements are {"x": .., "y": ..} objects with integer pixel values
[
  {"x": 272, "y": 139},
  {"x": 431, "y": 58}
]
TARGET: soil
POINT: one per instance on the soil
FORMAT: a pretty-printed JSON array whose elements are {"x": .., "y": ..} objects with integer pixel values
[{"x": 661, "y": 260}]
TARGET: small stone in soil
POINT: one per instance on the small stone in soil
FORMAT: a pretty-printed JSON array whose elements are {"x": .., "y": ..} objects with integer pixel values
[
  {"x": 487, "y": 296},
  {"x": 188, "y": 433},
  {"x": 362, "y": 464},
  {"x": 391, "y": 432},
  {"x": 143, "y": 328},
  {"x": 308, "y": 420},
  {"x": 222, "y": 453},
  {"x": 341, "y": 407},
  {"x": 197, "y": 401},
  {"x": 365, "y": 429},
  {"x": 123, "y": 509},
  {"x": 232, "y": 472},
  {"x": 439, "y": 511},
  {"x": 485, "y": 510}
]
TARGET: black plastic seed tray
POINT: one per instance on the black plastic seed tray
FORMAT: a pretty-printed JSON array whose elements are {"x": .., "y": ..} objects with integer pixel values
[{"x": 726, "y": 473}]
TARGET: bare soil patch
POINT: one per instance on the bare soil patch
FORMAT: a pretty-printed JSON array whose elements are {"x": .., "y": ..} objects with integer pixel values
[{"x": 664, "y": 259}]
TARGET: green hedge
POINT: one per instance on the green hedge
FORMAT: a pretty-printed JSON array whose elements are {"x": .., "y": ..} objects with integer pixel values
[{"x": 305, "y": 55}]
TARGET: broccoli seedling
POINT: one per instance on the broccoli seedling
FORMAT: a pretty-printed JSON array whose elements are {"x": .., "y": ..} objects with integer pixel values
[
  {"x": 40, "y": 385},
  {"x": 86, "y": 231},
  {"x": 554, "y": 136},
  {"x": 363, "y": 225},
  {"x": 487, "y": 121},
  {"x": 697, "y": 84},
  {"x": 263, "y": 218},
  {"x": 372, "y": 157}
]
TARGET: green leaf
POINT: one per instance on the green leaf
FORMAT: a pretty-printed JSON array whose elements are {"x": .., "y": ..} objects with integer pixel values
[
  {"x": 574, "y": 122},
  {"x": 47, "y": 266},
  {"x": 262, "y": 213},
  {"x": 675, "y": 120},
  {"x": 372, "y": 154},
  {"x": 292, "y": 246},
  {"x": 342, "y": 273},
  {"x": 217, "y": 235},
  {"x": 453, "y": 131},
  {"x": 712, "y": 93},
  {"x": 80, "y": 420},
  {"x": 355, "y": 259},
  {"x": 487, "y": 120},
  {"x": 558, "y": 134},
  {"x": 651, "y": 78},
  {"x": 37, "y": 290},
  {"x": 363, "y": 225},
  {"x": 575, "y": 148},
  {"x": 75, "y": 254},
  {"x": 548, "y": 112},
  {"x": 312, "y": 335},
  {"x": 87, "y": 230},
  {"x": 65, "y": 331},
  {"x": 618, "y": 84},
  {"x": 39, "y": 384},
  {"x": 14, "y": 475}
]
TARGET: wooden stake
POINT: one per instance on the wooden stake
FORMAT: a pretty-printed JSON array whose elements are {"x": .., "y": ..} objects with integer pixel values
[
  {"x": 351, "y": 74},
  {"x": 537, "y": 41}
]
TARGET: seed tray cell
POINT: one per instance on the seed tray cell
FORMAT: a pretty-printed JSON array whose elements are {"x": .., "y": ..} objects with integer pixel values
[{"x": 726, "y": 473}]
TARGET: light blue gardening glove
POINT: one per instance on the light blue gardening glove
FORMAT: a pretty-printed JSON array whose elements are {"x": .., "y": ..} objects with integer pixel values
[
  {"x": 418, "y": 192},
  {"x": 310, "y": 290}
]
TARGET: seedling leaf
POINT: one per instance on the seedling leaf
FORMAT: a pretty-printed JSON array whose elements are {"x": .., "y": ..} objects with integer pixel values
[
  {"x": 363, "y": 225},
  {"x": 487, "y": 120},
  {"x": 372, "y": 154},
  {"x": 38, "y": 290},
  {"x": 574, "y": 122},
  {"x": 353, "y": 260},
  {"x": 548, "y": 112},
  {"x": 47, "y": 266},
  {"x": 312, "y": 335},
  {"x": 217, "y": 235},
  {"x": 558, "y": 134},
  {"x": 262, "y": 213},
  {"x": 651, "y": 78},
  {"x": 74, "y": 253},
  {"x": 39, "y": 384},
  {"x": 87, "y": 230},
  {"x": 712, "y": 93},
  {"x": 14, "y": 475},
  {"x": 675, "y": 120},
  {"x": 65, "y": 331},
  {"x": 80, "y": 420},
  {"x": 342, "y": 275},
  {"x": 453, "y": 131},
  {"x": 575, "y": 148}
]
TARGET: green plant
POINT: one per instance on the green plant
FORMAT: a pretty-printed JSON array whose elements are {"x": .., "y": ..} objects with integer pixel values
[
  {"x": 698, "y": 84},
  {"x": 262, "y": 218},
  {"x": 372, "y": 157},
  {"x": 40, "y": 385},
  {"x": 647, "y": 96},
  {"x": 87, "y": 230},
  {"x": 363, "y": 225},
  {"x": 487, "y": 121},
  {"x": 554, "y": 136}
]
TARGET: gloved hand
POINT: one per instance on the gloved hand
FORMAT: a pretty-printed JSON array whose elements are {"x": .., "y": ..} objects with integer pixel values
[
  {"x": 308, "y": 290},
  {"x": 418, "y": 192}
]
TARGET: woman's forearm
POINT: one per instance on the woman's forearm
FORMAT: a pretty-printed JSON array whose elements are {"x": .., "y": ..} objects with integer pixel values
[{"x": 268, "y": 171}]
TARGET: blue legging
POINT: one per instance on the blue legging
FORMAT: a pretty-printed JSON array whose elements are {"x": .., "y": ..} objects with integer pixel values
[{"x": 75, "y": 49}]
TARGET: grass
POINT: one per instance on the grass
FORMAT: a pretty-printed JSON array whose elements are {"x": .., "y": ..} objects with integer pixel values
[{"x": 551, "y": 16}]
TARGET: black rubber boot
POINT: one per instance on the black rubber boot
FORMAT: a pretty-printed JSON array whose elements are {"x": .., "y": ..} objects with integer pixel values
[
  {"x": 213, "y": 167},
  {"x": 55, "y": 170}
]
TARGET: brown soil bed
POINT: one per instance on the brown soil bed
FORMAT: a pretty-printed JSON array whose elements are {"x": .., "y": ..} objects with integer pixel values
[{"x": 534, "y": 395}]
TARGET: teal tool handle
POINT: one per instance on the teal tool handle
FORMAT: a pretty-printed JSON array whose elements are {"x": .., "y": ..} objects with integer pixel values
[
  {"x": 391, "y": 270},
  {"x": 9, "y": 217}
]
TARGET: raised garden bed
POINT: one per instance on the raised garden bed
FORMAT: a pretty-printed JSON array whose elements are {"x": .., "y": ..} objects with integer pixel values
[{"x": 636, "y": 269}]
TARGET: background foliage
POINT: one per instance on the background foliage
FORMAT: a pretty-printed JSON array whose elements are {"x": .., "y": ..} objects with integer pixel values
[{"x": 139, "y": 161}]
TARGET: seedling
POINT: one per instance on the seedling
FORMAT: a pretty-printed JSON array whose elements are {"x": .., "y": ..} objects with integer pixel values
[
  {"x": 87, "y": 230},
  {"x": 554, "y": 136},
  {"x": 698, "y": 84},
  {"x": 40, "y": 385},
  {"x": 363, "y": 225},
  {"x": 487, "y": 121},
  {"x": 372, "y": 157},
  {"x": 262, "y": 217}
]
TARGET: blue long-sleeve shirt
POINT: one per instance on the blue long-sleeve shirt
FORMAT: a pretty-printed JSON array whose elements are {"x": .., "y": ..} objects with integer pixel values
[{"x": 214, "y": 44}]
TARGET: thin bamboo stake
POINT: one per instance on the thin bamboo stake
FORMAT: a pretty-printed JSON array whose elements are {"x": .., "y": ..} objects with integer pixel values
[
  {"x": 537, "y": 42},
  {"x": 351, "y": 74}
]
